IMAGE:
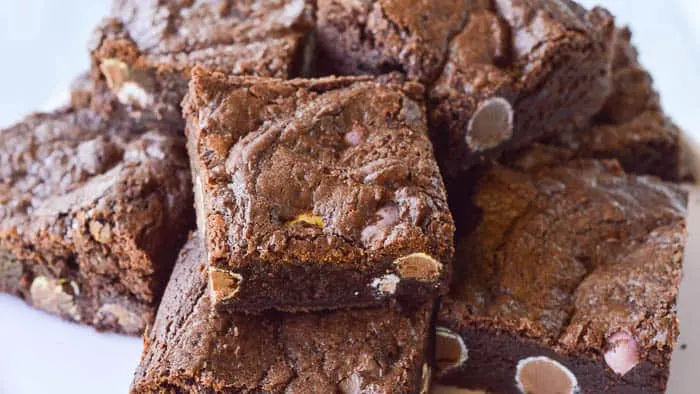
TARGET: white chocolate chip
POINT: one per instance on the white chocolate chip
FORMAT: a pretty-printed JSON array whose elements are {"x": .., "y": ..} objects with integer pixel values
[
  {"x": 133, "y": 93},
  {"x": 387, "y": 284},
  {"x": 542, "y": 375},
  {"x": 51, "y": 296},
  {"x": 450, "y": 350},
  {"x": 418, "y": 266},
  {"x": 200, "y": 207},
  {"x": 623, "y": 354},
  {"x": 124, "y": 83},
  {"x": 351, "y": 385},
  {"x": 116, "y": 72},
  {"x": 491, "y": 124}
]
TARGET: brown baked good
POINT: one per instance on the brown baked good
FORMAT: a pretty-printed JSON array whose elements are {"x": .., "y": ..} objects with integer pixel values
[
  {"x": 500, "y": 73},
  {"x": 192, "y": 348},
  {"x": 92, "y": 211},
  {"x": 632, "y": 126},
  {"x": 322, "y": 194},
  {"x": 145, "y": 50},
  {"x": 570, "y": 272}
]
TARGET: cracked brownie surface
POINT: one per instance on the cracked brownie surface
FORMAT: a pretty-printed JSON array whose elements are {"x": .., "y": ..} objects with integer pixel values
[
  {"x": 144, "y": 50},
  {"x": 322, "y": 194},
  {"x": 91, "y": 210},
  {"x": 566, "y": 262},
  {"x": 195, "y": 349},
  {"x": 499, "y": 73}
]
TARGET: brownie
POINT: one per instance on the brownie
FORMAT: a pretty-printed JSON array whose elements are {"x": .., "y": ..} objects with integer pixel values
[
  {"x": 500, "y": 73},
  {"x": 319, "y": 194},
  {"x": 567, "y": 282},
  {"x": 192, "y": 348},
  {"x": 144, "y": 50},
  {"x": 92, "y": 213},
  {"x": 631, "y": 127}
]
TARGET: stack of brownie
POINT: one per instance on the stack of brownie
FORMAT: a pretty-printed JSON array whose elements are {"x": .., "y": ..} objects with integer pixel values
[{"x": 367, "y": 196}]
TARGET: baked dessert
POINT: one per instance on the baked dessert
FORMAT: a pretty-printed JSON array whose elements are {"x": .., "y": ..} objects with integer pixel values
[
  {"x": 632, "y": 126},
  {"x": 192, "y": 348},
  {"x": 322, "y": 194},
  {"x": 566, "y": 283},
  {"x": 500, "y": 73},
  {"x": 145, "y": 50},
  {"x": 92, "y": 213}
]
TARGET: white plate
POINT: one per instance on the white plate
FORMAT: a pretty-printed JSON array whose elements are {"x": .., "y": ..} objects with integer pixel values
[{"x": 43, "y": 45}]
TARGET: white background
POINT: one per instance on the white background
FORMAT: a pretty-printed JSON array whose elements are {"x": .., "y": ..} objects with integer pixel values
[{"x": 43, "y": 45}]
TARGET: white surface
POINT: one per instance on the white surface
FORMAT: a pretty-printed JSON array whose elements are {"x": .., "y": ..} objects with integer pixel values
[{"x": 43, "y": 45}]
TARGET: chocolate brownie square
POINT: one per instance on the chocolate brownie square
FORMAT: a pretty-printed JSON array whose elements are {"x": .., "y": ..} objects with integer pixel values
[
  {"x": 316, "y": 194},
  {"x": 632, "y": 126},
  {"x": 192, "y": 348},
  {"x": 544, "y": 64},
  {"x": 92, "y": 212},
  {"x": 145, "y": 50},
  {"x": 566, "y": 283},
  {"x": 500, "y": 73}
]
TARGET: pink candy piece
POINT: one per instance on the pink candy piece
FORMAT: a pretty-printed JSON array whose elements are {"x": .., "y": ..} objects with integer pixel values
[
  {"x": 354, "y": 137},
  {"x": 624, "y": 353},
  {"x": 388, "y": 216}
]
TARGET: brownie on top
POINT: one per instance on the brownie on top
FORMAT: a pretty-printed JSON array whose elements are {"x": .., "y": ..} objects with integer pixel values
[
  {"x": 568, "y": 280},
  {"x": 193, "y": 348},
  {"x": 144, "y": 50},
  {"x": 92, "y": 213},
  {"x": 499, "y": 73},
  {"x": 321, "y": 194}
]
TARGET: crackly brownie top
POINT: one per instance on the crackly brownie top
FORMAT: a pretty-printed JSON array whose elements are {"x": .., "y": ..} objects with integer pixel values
[
  {"x": 520, "y": 42},
  {"x": 572, "y": 255},
  {"x": 48, "y": 158},
  {"x": 333, "y": 170},
  {"x": 374, "y": 350},
  {"x": 71, "y": 181},
  {"x": 392, "y": 35},
  {"x": 243, "y": 36},
  {"x": 419, "y": 37}
]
